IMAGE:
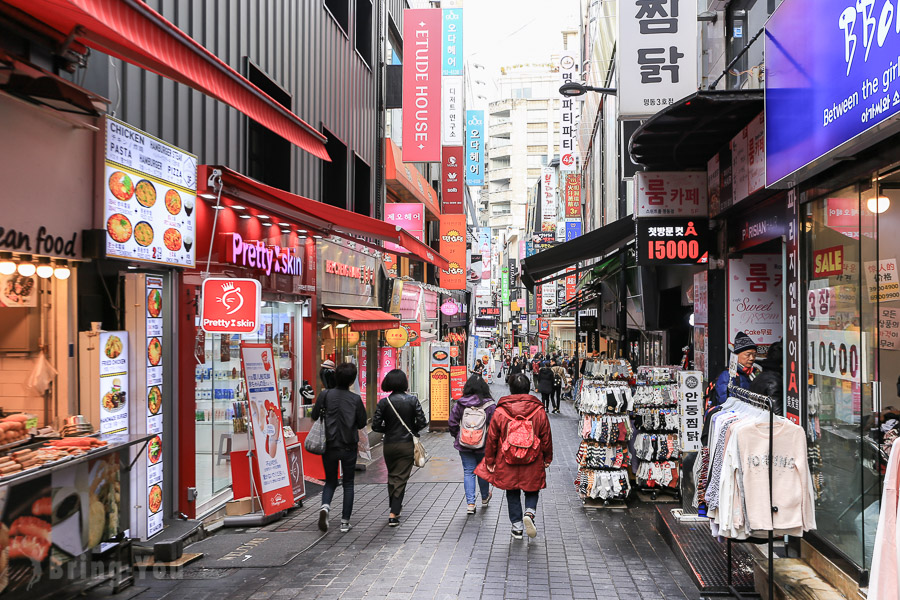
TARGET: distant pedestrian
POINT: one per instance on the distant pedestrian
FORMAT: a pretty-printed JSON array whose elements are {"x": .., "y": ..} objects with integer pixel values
[
  {"x": 516, "y": 367},
  {"x": 398, "y": 416},
  {"x": 543, "y": 383},
  {"x": 560, "y": 380},
  {"x": 478, "y": 369},
  {"x": 344, "y": 415},
  {"x": 518, "y": 451},
  {"x": 469, "y": 420}
]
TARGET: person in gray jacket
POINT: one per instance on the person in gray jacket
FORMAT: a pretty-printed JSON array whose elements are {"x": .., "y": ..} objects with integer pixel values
[{"x": 398, "y": 441}]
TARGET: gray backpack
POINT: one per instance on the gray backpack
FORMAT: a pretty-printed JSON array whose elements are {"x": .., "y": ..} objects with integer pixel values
[{"x": 473, "y": 427}]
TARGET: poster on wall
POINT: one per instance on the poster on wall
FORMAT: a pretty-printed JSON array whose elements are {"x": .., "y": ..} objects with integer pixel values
[
  {"x": 882, "y": 280},
  {"x": 114, "y": 382},
  {"x": 149, "y": 191},
  {"x": 268, "y": 435},
  {"x": 18, "y": 291},
  {"x": 754, "y": 293},
  {"x": 888, "y": 328}
]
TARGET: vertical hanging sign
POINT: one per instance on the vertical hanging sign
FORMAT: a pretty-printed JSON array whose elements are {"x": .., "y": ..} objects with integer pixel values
[
  {"x": 155, "y": 487},
  {"x": 568, "y": 70},
  {"x": 475, "y": 147},
  {"x": 452, "y": 115},
  {"x": 792, "y": 340},
  {"x": 452, "y": 194},
  {"x": 573, "y": 196},
  {"x": 453, "y": 248},
  {"x": 452, "y": 62},
  {"x": 504, "y": 286},
  {"x": 548, "y": 198},
  {"x": 422, "y": 29}
]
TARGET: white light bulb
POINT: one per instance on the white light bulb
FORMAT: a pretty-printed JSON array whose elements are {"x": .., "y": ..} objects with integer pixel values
[
  {"x": 7, "y": 267},
  {"x": 44, "y": 271},
  {"x": 26, "y": 269},
  {"x": 61, "y": 272}
]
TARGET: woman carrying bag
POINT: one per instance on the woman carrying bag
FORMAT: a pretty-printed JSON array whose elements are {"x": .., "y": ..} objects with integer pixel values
[{"x": 400, "y": 418}]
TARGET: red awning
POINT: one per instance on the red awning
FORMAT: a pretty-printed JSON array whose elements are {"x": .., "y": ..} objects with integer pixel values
[
  {"x": 320, "y": 216},
  {"x": 407, "y": 183},
  {"x": 365, "y": 319},
  {"x": 134, "y": 32}
]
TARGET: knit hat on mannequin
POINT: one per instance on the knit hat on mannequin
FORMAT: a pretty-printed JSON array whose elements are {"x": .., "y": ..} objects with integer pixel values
[{"x": 742, "y": 342}]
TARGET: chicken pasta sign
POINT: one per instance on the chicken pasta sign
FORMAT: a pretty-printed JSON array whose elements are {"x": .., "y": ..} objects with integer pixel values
[{"x": 230, "y": 305}]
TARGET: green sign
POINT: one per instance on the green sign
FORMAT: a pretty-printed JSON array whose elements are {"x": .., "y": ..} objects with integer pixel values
[{"x": 504, "y": 286}]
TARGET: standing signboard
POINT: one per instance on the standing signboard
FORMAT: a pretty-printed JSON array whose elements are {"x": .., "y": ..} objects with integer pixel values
[
  {"x": 690, "y": 409},
  {"x": 452, "y": 194},
  {"x": 440, "y": 382},
  {"x": 149, "y": 190},
  {"x": 475, "y": 147},
  {"x": 154, "y": 293},
  {"x": 230, "y": 305},
  {"x": 270, "y": 458},
  {"x": 670, "y": 194},
  {"x": 457, "y": 381},
  {"x": 422, "y": 84},
  {"x": 113, "y": 382},
  {"x": 568, "y": 114},
  {"x": 754, "y": 298},
  {"x": 657, "y": 51},
  {"x": 453, "y": 248}
]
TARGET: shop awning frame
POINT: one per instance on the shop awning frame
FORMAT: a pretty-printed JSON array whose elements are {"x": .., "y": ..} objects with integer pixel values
[
  {"x": 322, "y": 217},
  {"x": 593, "y": 244},
  {"x": 132, "y": 31},
  {"x": 364, "y": 319}
]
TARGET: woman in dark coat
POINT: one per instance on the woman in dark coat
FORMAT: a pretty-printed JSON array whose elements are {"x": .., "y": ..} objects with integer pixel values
[{"x": 543, "y": 383}]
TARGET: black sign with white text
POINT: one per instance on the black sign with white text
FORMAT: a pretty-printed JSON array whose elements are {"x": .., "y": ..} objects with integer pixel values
[{"x": 672, "y": 241}]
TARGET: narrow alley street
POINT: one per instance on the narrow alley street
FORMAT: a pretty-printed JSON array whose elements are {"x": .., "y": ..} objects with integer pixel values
[{"x": 439, "y": 552}]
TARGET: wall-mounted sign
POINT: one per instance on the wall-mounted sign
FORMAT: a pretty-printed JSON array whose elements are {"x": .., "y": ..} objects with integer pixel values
[
  {"x": 406, "y": 215},
  {"x": 504, "y": 286},
  {"x": 365, "y": 274},
  {"x": 657, "y": 50},
  {"x": 488, "y": 311},
  {"x": 754, "y": 297},
  {"x": 449, "y": 308},
  {"x": 762, "y": 225},
  {"x": 230, "y": 305},
  {"x": 396, "y": 338},
  {"x": 690, "y": 409},
  {"x": 572, "y": 191},
  {"x": 414, "y": 332},
  {"x": 453, "y": 125},
  {"x": 475, "y": 147},
  {"x": 452, "y": 195},
  {"x": 149, "y": 190},
  {"x": 259, "y": 255},
  {"x": 568, "y": 114},
  {"x": 113, "y": 382},
  {"x": 672, "y": 241},
  {"x": 548, "y": 197},
  {"x": 453, "y": 248},
  {"x": 422, "y": 85},
  {"x": 828, "y": 261},
  {"x": 670, "y": 194}
]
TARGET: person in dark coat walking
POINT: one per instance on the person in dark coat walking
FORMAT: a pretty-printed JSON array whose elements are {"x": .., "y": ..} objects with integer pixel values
[
  {"x": 516, "y": 367},
  {"x": 543, "y": 383},
  {"x": 529, "y": 478},
  {"x": 344, "y": 415},
  {"x": 398, "y": 442},
  {"x": 476, "y": 393}
]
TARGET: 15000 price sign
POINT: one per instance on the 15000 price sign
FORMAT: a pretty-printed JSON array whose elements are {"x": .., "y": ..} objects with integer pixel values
[{"x": 672, "y": 241}]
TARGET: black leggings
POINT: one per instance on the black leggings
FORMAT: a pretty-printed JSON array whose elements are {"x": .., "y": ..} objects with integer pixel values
[
  {"x": 545, "y": 398},
  {"x": 557, "y": 394}
]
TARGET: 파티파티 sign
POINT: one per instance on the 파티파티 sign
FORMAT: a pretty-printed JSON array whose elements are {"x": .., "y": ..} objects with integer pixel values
[
  {"x": 149, "y": 190},
  {"x": 230, "y": 305}
]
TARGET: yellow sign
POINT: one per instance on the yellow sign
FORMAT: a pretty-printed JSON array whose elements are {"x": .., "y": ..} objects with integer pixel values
[
  {"x": 396, "y": 338},
  {"x": 440, "y": 394},
  {"x": 514, "y": 306},
  {"x": 352, "y": 338}
]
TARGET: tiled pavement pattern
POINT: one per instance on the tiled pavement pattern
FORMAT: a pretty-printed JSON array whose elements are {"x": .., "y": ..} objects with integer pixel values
[{"x": 439, "y": 552}]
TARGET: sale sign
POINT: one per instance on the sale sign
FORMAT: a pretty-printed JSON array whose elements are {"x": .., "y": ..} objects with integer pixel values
[
  {"x": 230, "y": 305},
  {"x": 828, "y": 261},
  {"x": 423, "y": 31},
  {"x": 453, "y": 248},
  {"x": 270, "y": 458}
]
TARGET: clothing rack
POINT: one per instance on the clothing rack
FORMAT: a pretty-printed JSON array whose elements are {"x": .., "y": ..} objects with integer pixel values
[
  {"x": 764, "y": 402},
  {"x": 655, "y": 392}
]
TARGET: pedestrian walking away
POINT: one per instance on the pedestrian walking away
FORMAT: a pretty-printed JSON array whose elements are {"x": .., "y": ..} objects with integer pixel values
[
  {"x": 543, "y": 383},
  {"x": 560, "y": 380},
  {"x": 518, "y": 450},
  {"x": 399, "y": 417},
  {"x": 469, "y": 420},
  {"x": 344, "y": 414}
]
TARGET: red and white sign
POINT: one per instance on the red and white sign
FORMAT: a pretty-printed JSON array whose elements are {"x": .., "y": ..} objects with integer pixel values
[
  {"x": 568, "y": 114},
  {"x": 452, "y": 176},
  {"x": 259, "y": 255},
  {"x": 409, "y": 216},
  {"x": 422, "y": 49},
  {"x": 230, "y": 305},
  {"x": 270, "y": 459},
  {"x": 670, "y": 194},
  {"x": 548, "y": 198},
  {"x": 754, "y": 291},
  {"x": 572, "y": 192},
  {"x": 571, "y": 283}
]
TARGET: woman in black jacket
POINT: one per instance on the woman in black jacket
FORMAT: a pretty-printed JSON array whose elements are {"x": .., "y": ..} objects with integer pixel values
[
  {"x": 398, "y": 441},
  {"x": 344, "y": 415},
  {"x": 543, "y": 382}
]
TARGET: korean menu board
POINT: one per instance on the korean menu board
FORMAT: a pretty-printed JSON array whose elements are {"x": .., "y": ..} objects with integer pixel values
[
  {"x": 149, "y": 191},
  {"x": 114, "y": 382},
  {"x": 154, "y": 293}
]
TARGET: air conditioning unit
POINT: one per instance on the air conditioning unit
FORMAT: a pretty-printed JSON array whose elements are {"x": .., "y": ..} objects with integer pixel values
[{"x": 718, "y": 4}]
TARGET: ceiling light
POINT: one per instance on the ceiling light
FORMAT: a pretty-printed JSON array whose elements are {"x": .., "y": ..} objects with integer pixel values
[
  {"x": 26, "y": 268},
  {"x": 44, "y": 269},
  {"x": 62, "y": 270},
  {"x": 246, "y": 216},
  {"x": 219, "y": 207},
  {"x": 208, "y": 196},
  {"x": 317, "y": 236},
  {"x": 286, "y": 231},
  {"x": 7, "y": 266},
  {"x": 878, "y": 205},
  {"x": 342, "y": 325},
  {"x": 263, "y": 216},
  {"x": 302, "y": 232},
  {"x": 238, "y": 207},
  {"x": 283, "y": 224}
]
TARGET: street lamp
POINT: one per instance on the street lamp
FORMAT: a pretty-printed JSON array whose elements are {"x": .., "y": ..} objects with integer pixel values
[{"x": 571, "y": 89}]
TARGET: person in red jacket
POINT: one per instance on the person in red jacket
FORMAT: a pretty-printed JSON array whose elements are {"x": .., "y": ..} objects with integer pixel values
[{"x": 518, "y": 478}]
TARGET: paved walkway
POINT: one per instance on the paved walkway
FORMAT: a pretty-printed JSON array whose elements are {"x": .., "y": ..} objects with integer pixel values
[{"x": 440, "y": 552}]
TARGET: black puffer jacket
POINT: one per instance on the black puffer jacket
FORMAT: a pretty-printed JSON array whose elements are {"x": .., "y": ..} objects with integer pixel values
[
  {"x": 345, "y": 415},
  {"x": 385, "y": 420}
]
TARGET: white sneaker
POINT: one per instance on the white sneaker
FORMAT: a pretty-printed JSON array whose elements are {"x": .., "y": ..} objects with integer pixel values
[
  {"x": 346, "y": 526},
  {"x": 323, "y": 518},
  {"x": 530, "y": 529}
]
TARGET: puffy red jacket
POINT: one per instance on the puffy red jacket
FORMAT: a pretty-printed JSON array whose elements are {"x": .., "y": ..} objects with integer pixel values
[{"x": 530, "y": 477}]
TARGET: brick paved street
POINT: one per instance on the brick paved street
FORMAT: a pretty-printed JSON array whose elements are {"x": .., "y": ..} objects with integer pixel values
[{"x": 440, "y": 552}]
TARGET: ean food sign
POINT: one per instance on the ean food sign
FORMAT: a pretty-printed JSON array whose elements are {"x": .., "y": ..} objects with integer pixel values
[{"x": 230, "y": 305}]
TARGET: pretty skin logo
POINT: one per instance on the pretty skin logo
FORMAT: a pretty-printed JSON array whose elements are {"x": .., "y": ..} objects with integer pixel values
[{"x": 231, "y": 296}]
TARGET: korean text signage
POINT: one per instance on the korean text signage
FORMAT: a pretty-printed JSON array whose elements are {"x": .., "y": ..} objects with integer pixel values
[
  {"x": 268, "y": 437},
  {"x": 572, "y": 191},
  {"x": 114, "y": 382},
  {"x": 154, "y": 293},
  {"x": 149, "y": 190},
  {"x": 407, "y": 215},
  {"x": 230, "y": 305},
  {"x": 889, "y": 328},
  {"x": 882, "y": 280},
  {"x": 675, "y": 193},
  {"x": 452, "y": 113},
  {"x": 440, "y": 382},
  {"x": 452, "y": 194},
  {"x": 475, "y": 147},
  {"x": 754, "y": 292},
  {"x": 422, "y": 30},
  {"x": 842, "y": 71},
  {"x": 504, "y": 286},
  {"x": 453, "y": 248},
  {"x": 573, "y": 229},
  {"x": 792, "y": 347},
  {"x": 657, "y": 54},
  {"x": 568, "y": 107},
  {"x": 457, "y": 381},
  {"x": 571, "y": 283},
  {"x": 548, "y": 197},
  {"x": 452, "y": 60},
  {"x": 690, "y": 409},
  {"x": 672, "y": 241}
]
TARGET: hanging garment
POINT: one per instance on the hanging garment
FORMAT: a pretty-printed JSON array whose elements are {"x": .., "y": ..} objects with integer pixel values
[{"x": 883, "y": 581}]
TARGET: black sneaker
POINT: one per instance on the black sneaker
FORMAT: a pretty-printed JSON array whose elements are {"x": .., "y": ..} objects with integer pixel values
[
  {"x": 323, "y": 518},
  {"x": 517, "y": 534},
  {"x": 393, "y": 521}
]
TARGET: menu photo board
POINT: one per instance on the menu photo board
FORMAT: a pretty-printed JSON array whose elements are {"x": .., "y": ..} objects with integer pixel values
[
  {"x": 149, "y": 190},
  {"x": 440, "y": 382},
  {"x": 154, "y": 293},
  {"x": 114, "y": 382}
]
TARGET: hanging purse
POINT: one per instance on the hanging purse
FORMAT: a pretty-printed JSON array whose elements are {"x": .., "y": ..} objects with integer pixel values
[
  {"x": 315, "y": 441},
  {"x": 420, "y": 457}
]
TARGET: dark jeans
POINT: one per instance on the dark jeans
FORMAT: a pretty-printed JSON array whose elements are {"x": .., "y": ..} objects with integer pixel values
[
  {"x": 545, "y": 398},
  {"x": 557, "y": 394},
  {"x": 347, "y": 460},
  {"x": 398, "y": 458},
  {"x": 514, "y": 503}
]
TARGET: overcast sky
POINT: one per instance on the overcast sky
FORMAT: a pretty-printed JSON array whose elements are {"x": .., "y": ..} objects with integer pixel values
[{"x": 506, "y": 32}]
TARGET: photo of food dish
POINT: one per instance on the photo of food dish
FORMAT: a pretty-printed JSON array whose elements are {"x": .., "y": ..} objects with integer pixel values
[
  {"x": 119, "y": 228},
  {"x": 145, "y": 193},
  {"x": 143, "y": 233},
  {"x": 154, "y": 352},
  {"x": 154, "y": 303},
  {"x": 120, "y": 185},
  {"x": 18, "y": 290},
  {"x": 154, "y": 451},
  {"x": 155, "y": 498},
  {"x": 173, "y": 202},
  {"x": 113, "y": 347},
  {"x": 440, "y": 355},
  {"x": 114, "y": 399},
  {"x": 154, "y": 400},
  {"x": 25, "y": 539},
  {"x": 172, "y": 239}
]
